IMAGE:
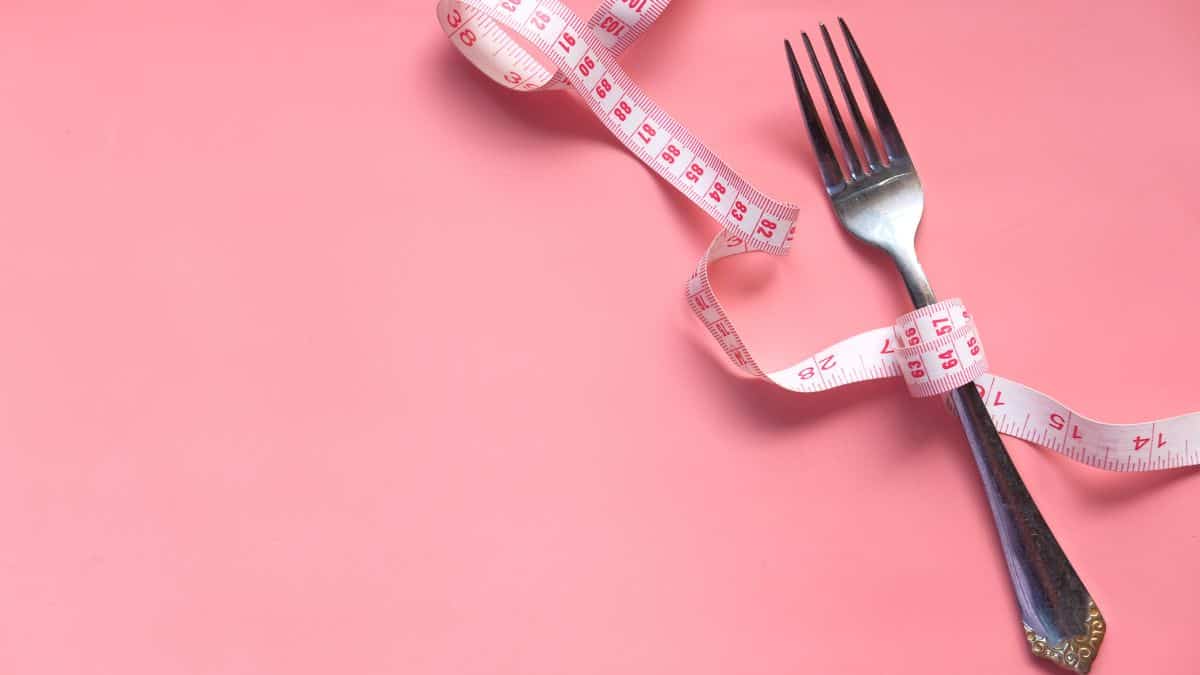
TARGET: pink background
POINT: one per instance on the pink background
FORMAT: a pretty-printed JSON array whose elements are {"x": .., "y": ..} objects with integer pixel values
[{"x": 317, "y": 358}]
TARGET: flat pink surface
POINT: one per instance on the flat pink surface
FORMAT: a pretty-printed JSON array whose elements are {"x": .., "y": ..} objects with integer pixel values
[{"x": 320, "y": 353}]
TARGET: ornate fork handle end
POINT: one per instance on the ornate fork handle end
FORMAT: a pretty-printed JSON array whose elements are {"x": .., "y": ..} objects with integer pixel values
[
  {"x": 1076, "y": 653},
  {"x": 1062, "y": 622}
]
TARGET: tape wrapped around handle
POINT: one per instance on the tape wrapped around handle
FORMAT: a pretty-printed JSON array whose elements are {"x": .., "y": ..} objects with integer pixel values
[{"x": 947, "y": 351}]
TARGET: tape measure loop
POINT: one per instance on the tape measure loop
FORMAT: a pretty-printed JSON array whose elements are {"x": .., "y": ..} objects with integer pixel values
[
  {"x": 935, "y": 348},
  {"x": 939, "y": 348}
]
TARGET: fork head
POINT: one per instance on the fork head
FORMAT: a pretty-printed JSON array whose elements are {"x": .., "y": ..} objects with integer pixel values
[{"x": 879, "y": 197}]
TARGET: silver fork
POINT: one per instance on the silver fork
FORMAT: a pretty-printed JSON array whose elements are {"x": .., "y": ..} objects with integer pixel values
[{"x": 881, "y": 204}]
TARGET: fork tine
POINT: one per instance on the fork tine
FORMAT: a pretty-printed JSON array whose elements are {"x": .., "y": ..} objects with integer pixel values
[
  {"x": 883, "y": 117},
  {"x": 848, "y": 152},
  {"x": 830, "y": 171},
  {"x": 864, "y": 134}
]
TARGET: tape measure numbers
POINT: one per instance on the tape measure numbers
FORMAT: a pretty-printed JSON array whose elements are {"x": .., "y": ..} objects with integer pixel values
[{"x": 934, "y": 349}]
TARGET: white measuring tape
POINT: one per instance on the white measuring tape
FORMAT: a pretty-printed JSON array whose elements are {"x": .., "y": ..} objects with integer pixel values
[{"x": 934, "y": 349}]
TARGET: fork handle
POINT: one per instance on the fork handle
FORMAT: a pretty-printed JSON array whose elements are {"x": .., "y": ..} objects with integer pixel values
[{"x": 1061, "y": 621}]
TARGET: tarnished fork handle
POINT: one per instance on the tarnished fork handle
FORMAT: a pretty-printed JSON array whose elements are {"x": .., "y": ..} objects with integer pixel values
[
  {"x": 1061, "y": 621},
  {"x": 881, "y": 203}
]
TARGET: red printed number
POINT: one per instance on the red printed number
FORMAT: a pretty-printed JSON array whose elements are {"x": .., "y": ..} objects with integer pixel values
[
  {"x": 647, "y": 132},
  {"x": 767, "y": 228},
  {"x": 1139, "y": 442},
  {"x": 913, "y": 338},
  {"x": 468, "y": 37},
  {"x": 454, "y": 19},
  {"x": 948, "y": 360},
  {"x": 540, "y": 20},
  {"x": 670, "y": 154},
  {"x": 717, "y": 191},
  {"x": 739, "y": 211},
  {"x": 942, "y": 330},
  {"x": 567, "y": 42},
  {"x": 915, "y": 370},
  {"x": 510, "y": 5},
  {"x": 973, "y": 343},
  {"x": 612, "y": 25},
  {"x": 603, "y": 87},
  {"x": 622, "y": 111},
  {"x": 694, "y": 173},
  {"x": 586, "y": 65}
]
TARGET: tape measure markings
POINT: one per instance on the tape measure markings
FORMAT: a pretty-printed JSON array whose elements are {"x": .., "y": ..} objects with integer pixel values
[{"x": 934, "y": 349}]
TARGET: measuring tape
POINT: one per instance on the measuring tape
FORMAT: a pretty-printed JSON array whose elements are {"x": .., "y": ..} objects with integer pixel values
[{"x": 935, "y": 349}]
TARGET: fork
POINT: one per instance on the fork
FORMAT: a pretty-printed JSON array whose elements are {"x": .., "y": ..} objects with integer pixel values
[{"x": 881, "y": 203}]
